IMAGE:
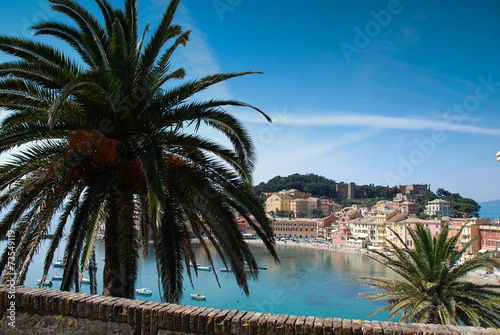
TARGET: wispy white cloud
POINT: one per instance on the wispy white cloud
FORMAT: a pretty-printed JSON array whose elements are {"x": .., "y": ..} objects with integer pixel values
[
  {"x": 382, "y": 122},
  {"x": 197, "y": 57}
]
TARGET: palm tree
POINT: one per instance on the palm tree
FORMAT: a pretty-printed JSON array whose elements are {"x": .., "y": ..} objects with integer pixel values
[
  {"x": 100, "y": 142},
  {"x": 432, "y": 288}
]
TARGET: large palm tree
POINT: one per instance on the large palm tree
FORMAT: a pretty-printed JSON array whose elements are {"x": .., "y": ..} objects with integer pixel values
[
  {"x": 433, "y": 288},
  {"x": 106, "y": 141}
]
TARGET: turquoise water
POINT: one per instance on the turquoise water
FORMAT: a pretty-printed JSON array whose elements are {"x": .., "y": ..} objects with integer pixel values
[
  {"x": 309, "y": 282},
  {"x": 491, "y": 216}
]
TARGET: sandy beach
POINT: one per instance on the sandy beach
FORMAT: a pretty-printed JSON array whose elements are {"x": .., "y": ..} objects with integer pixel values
[{"x": 471, "y": 276}]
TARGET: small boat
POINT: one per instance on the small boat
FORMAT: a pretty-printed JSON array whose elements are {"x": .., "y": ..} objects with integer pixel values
[
  {"x": 58, "y": 264},
  {"x": 85, "y": 281},
  {"x": 198, "y": 296},
  {"x": 204, "y": 268},
  {"x": 57, "y": 277},
  {"x": 226, "y": 270},
  {"x": 262, "y": 268},
  {"x": 143, "y": 291},
  {"x": 45, "y": 283}
]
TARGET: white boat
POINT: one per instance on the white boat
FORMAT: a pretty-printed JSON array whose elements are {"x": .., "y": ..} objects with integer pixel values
[
  {"x": 85, "y": 281},
  {"x": 204, "y": 268},
  {"x": 198, "y": 296},
  {"x": 226, "y": 270},
  {"x": 58, "y": 264},
  {"x": 45, "y": 283},
  {"x": 143, "y": 291},
  {"x": 57, "y": 277}
]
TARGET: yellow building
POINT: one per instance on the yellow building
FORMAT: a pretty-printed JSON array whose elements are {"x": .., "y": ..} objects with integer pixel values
[
  {"x": 278, "y": 202},
  {"x": 397, "y": 222},
  {"x": 380, "y": 205},
  {"x": 295, "y": 193},
  {"x": 295, "y": 228}
]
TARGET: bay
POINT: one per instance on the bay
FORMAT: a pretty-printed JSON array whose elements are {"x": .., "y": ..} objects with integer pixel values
[{"x": 308, "y": 281}]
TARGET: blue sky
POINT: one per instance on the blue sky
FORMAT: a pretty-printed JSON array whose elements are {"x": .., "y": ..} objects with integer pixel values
[{"x": 384, "y": 92}]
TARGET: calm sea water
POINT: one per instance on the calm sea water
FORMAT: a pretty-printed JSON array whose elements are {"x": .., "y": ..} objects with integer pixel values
[
  {"x": 491, "y": 216},
  {"x": 308, "y": 281}
]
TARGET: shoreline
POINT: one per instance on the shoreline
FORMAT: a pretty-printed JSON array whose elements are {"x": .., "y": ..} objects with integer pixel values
[{"x": 471, "y": 276}]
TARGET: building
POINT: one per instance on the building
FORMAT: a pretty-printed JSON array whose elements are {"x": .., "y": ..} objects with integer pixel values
[
  {"x": 406, "y": 197},
  {"x": 435, "y": 227},
  {"x": 367, "y": 228},
  {"x": 299, "y": 207},
  {"x": 328, "y": 207},
  {"x": 283, "y": 227},
  {"x": 438, "y": 208},
  {"x": 324, "y": 224},
  {"x": 341, "y": 235},
  {"x": 381, "y": 205},
  {"x": 358, "y": 242},
  {"x": 295, "y": 194},
  {"x": 347, "y": 191},
  {"x": 413, "y": 188},
  {"x": 490, "y": 238},
  {"x": 408, "y": 207},
  {"x": 396, "y": 224},
  {"x": 295, "y": 228},
  {"x": 278, "y": 202},
  {"x": 350, "y": 215}
]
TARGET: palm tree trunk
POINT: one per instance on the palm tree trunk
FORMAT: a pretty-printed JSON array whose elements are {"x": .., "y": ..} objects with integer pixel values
[{"x": 113, "y": 281}]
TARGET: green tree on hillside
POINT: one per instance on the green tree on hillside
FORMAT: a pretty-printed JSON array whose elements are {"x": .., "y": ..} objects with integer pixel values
[
  {"x": 324, "y": 186},
  {"x": 99, "y": 140},
  {"x": 432, "y": 288}
]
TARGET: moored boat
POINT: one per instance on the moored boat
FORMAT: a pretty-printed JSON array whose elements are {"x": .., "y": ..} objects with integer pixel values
[
  {"x": 143, "y": 291},
  {"x": 204, "y": 268},
  {"x": 85, "y": 281},
  {"x": 198, "y": 296},
  {"x": 45, "y": 283},
  {"x": 226, "y": 270},
  {"x": 57, "y": 277},
  {"x": 58, "y": 264}
]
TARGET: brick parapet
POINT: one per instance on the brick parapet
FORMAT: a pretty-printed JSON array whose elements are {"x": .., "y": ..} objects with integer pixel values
[{"x": 150, "y": 318}]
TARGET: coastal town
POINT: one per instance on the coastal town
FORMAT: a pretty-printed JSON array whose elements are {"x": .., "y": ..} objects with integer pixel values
[{"x": 362, "y": 228}]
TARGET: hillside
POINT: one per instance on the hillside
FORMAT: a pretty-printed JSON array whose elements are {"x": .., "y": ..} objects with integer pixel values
[
  {"x": 312, "y": 183},
  {"x": 320, "y": 186},
  {"x": 490, "y": 206}
]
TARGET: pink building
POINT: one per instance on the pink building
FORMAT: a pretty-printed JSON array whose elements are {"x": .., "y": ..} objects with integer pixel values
[
  {"x": 340, "y": 236},
  {"x": 299, "y": 206},
  {"x": 435, "y": 226}
]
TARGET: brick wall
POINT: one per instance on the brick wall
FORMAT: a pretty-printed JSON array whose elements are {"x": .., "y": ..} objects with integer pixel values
[{"x": 79, "y": 313}]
